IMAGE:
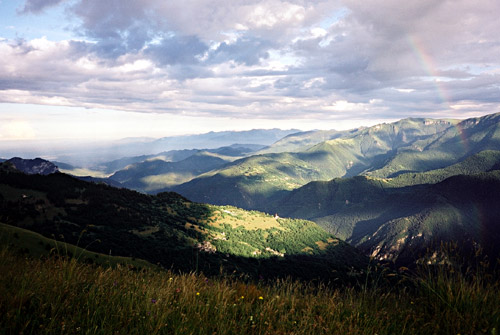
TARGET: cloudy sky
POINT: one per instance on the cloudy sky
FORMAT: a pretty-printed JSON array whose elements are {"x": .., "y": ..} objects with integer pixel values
[{"x": 119, "y": 68}]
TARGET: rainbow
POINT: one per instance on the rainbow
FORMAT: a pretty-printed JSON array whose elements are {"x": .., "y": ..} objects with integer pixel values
[
  {"x": 476, "y": 212},
  {"x": 427, "y": 63},
  {"x": 429, "y": 67}
]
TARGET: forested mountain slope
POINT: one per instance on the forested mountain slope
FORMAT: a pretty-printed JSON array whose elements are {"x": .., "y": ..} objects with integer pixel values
[
  {"x": 170, "y": 230},
  {"x": 400, "y": 218},
  {"x": 254, "y": 181},
  {"x": 456, "y": 143},
  {"x": 302, "y": 140}
]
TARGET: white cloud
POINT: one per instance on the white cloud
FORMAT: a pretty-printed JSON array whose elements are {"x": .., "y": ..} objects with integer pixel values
[{"x": 264, "y": 59}]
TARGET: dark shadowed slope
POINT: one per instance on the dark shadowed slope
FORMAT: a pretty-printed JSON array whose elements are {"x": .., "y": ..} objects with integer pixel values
[
  {"x": 388, "y": 219},
  {"x": 170, "y": 230}
]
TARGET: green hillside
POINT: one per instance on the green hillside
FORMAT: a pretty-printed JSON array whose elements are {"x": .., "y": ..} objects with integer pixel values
[
  {"x": 388, "y": 219},
  {"x": 445, "y": 148},
  {"x": 169, "y": 230},
  {"x": 483, "y": 161},
  {"x": 156, "y": 173},
  {"x": 321, "y": 198},
  {"x": 252, "y": 182},
  {"x": 26, "y": 242},
  {"x": 301, "y": 141}
]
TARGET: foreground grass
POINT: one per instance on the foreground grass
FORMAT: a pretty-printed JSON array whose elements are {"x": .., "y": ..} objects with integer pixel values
[{"x": 61, "y": 296}]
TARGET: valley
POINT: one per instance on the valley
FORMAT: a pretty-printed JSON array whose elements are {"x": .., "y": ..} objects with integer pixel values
[{"x": 388, "y": 190}]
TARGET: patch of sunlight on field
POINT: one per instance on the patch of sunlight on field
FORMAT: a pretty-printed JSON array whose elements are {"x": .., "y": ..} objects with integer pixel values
[
  {"x": 250, "y": 220},
  {"x": 165, "y": 180},
  {"x": 82, "y": 172},
  {"x": 323, "y": 245}
]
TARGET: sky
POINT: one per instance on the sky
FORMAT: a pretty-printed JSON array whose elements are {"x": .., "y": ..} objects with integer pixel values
[{"x": 93, "y": 69}]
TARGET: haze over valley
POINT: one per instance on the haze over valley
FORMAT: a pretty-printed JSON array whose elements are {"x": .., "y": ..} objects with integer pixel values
[{"x": 443, "y": 173}]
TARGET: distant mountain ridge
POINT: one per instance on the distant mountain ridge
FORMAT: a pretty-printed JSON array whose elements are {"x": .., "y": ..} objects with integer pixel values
[
  {"x": 254, "y": 181},
  {"x": 156, "y": 174},
  {"x": 301, "y": 140},
  {"x": 224, "y": 138},
  {"x": 455, "y": 143},
  {"x": 92, "y": 153},
  {"x": 33, "y": 166},
  {"x": 177, "y": 155},
  {"x": 211, "y": 140}
]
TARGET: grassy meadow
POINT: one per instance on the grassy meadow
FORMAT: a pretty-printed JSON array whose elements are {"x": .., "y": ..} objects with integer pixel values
[{"x": 60, "y": 295}]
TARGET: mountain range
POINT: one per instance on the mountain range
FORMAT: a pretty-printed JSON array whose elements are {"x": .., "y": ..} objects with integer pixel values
[
  {"x": 157, "y": 172},
  {"x": 380, "y": 188},
  {"x": 92, "y": 154},
  {"x": 386, "y": 150},
  {"x": 254, "y": 181},
  {"x": 400, "y": 219},
  {"x": 394, "y": 191}
]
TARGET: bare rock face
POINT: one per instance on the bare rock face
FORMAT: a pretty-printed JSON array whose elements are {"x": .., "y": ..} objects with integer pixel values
[{"x": 33, "y": 166}]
